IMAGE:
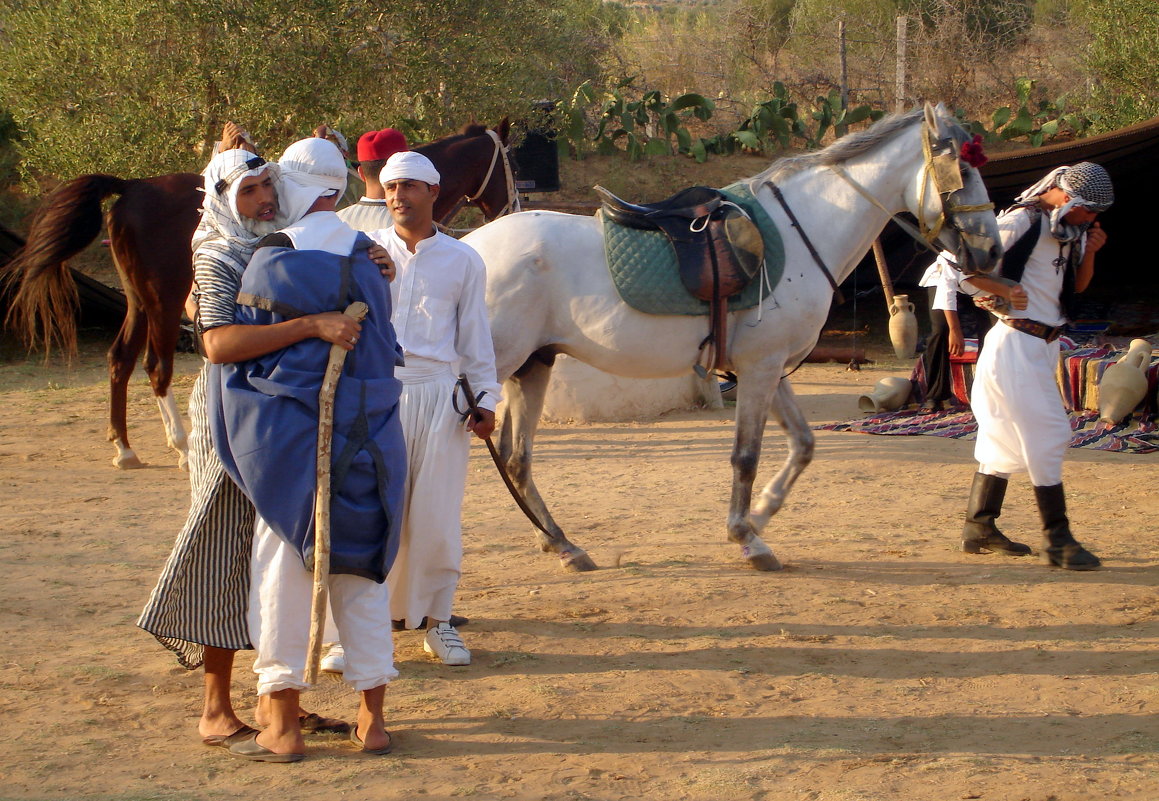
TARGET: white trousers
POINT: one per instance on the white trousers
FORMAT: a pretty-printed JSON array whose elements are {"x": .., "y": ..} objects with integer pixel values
[
  {"x": 426, "y": 572},
  {"x": 1022, "y": 424},
  {"x": 279, "y": 619}
]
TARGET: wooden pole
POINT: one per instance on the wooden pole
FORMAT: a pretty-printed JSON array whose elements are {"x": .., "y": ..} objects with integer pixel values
[
  {"x": 358, "y": 310},
  {"x": 844, "y": 65},
  {"x": 898, "y": 107},
  {"x": 883, "y": 271},
  {"x": 899, "y": 80}
]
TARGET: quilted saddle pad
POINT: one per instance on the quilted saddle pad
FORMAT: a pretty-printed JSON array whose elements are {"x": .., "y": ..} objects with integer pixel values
[{"x": 644, "y": 269}]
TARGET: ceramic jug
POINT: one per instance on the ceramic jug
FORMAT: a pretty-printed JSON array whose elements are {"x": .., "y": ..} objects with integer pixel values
[
  {"x": 903, "y": 327},
  {"x": 888, "y": 395},
  {"x": 1124, "y": 383}
]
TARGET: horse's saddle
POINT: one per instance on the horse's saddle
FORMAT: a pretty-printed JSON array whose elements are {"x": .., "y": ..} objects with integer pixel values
[{"x": 718, "y": 248}]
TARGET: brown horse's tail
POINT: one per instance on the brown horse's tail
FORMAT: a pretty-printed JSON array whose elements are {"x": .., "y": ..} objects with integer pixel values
[{"x": 43, "y": 305}]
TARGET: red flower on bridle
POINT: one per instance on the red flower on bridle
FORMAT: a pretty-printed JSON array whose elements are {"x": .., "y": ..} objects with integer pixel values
[{"x": 972, "y": 152}]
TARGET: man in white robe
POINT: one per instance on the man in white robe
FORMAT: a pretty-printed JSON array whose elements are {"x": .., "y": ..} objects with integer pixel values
[
  {"x": 1050, "y": 238},
  {"x": 440, "y": 316}
]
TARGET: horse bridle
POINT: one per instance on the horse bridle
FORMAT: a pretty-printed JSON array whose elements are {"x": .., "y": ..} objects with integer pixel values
[
  {"x": 513, "y": 204},
  {"x": 945, "y": 172}
]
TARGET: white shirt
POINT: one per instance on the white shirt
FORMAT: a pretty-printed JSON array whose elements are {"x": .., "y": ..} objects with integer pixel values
[
  {"x": 944, "y": 278},
  {"x": 440, "y": 307},
  {"x": 322, "y": 230},
  {"x": 1043, "y": 276},
  {"x": 368, "y": 214}
]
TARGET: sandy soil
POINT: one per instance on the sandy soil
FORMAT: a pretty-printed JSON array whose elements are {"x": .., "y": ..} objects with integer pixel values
[{"x": 881, "y": 663}]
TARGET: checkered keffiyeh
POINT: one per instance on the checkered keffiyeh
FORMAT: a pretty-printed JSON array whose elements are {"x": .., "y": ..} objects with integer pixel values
[{"x": 1088, "y": 185}]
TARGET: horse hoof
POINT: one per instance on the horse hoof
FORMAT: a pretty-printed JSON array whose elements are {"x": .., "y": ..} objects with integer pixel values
[
  {"x": 577, "y": 561},
  {"x": 127, "y": 462},
  {"x": 766, "y": 562}
]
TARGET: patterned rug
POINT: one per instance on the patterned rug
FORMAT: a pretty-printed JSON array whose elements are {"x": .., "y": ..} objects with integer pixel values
[{"x": 1088, "y": 431}]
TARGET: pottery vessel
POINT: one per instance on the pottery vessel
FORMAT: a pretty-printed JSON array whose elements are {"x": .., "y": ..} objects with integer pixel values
[
  {"x": 1124, "y": 383},
  {"x": 889, "y": 395},
  {"x": 903, "y": 327}
]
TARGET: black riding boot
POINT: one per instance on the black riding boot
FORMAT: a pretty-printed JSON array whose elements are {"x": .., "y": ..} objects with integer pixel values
[
  {"x": 1060, "y": 549},
  {"x": 980, "y": 535}
]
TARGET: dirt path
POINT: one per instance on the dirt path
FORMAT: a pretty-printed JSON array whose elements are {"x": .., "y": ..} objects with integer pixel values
[{"x": 882, "y": 663}]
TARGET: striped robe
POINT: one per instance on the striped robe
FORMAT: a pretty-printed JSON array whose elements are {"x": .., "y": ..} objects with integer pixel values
[{"x": 202, "y": 595}]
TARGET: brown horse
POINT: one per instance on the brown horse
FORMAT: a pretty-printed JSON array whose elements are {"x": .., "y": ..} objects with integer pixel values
[{"x": 150, "y": 227}]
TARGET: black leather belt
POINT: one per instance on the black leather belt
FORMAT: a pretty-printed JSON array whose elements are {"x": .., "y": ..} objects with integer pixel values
[{"x": 1036, "y": 329}]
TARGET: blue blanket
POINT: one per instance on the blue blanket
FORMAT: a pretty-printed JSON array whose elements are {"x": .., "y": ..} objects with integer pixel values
[{"x": 264, "y": 412}]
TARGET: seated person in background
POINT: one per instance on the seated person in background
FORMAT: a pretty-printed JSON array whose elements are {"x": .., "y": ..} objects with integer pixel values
[{"x": 947, "y": 307}]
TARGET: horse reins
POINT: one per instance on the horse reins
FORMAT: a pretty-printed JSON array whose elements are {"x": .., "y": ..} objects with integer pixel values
[
  {"x": 805, "y": 238},
  {"x": 473, "y": 411},
  {"x": 513, "y": 205}
]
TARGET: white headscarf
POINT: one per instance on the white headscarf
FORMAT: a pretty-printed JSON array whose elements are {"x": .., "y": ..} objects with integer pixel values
[
  {"x": 310, "y": 168},
  {"x": 219, "y": 216},
  {"x": 409, "y": 165}
]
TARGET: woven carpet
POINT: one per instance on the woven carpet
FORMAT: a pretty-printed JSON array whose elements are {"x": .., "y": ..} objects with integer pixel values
[
  {"x": 1079, "y": 371},
  {"x": 1088, "y": 432}
]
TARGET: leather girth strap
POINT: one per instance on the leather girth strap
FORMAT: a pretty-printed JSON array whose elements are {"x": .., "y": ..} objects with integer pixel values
[{"x": 718, "y": 250}]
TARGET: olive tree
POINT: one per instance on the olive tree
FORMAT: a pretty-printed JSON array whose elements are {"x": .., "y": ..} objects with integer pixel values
[
  {"x": 1122, "y": 57},
  {"x": 140, "y": 87}
]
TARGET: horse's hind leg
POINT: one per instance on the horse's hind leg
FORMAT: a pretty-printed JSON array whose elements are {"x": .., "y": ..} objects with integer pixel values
[
  {"x": 752, "y": 408},
  {"x": 159, "y": 364},
  {"x": 175, "y": 436},
  {"x": 525, "y": 393},
  {"x": 787, "y": 415},
  {"x": 122, "y": 358}
]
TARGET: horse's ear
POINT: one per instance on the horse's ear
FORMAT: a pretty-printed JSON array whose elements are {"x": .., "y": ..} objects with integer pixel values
[
  {"x": 931, "y": 117},
  {"x": 503, "y": 129}
]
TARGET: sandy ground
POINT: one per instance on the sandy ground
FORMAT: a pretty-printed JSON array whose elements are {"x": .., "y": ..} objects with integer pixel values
[{"x": 881, "y": 663}]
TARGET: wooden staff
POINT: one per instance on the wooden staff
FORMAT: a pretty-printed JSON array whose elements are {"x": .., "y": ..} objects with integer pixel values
[
  {"x": 358, "y": 310},
  {"x": 883, "y": 271}
]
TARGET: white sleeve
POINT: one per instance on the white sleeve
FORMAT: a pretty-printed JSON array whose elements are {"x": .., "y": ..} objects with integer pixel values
[
  {"x": 943, "y": 276},
  {"x": 946, "y": 293},
  {"x": 473, "y": 335}
]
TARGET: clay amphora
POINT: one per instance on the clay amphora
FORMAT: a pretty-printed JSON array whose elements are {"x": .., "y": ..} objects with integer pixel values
[
  {"x": 1124, "y": 383},
  {"x": 889, "y": 395},
  {"x": 903, "y": 327}
]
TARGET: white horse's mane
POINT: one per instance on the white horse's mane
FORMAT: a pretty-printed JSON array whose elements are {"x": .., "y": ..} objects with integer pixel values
[{"x": 840, "y": 151}]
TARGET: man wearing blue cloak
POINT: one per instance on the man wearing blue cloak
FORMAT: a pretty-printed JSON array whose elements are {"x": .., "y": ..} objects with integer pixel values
[{"x": 266, "y": 428}]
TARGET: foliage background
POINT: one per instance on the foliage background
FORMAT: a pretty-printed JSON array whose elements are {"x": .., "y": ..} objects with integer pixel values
[{"x": 140, "y": 87}]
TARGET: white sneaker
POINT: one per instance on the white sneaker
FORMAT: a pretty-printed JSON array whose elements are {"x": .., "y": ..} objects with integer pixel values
[
  {"x": 444, "y": 642},
  {"x": 335, "y": 660}
]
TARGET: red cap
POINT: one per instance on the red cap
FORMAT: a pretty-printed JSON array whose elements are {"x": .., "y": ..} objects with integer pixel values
[{"x": 380, "y": 145}]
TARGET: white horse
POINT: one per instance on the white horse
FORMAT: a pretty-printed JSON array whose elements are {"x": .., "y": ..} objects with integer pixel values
[{"x": 549, "y": 291}]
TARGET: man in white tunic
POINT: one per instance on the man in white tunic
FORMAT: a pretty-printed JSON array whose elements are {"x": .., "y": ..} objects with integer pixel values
[
  {"x": 1050, "y": 237},
  {"x": 440, "y": 316}
]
